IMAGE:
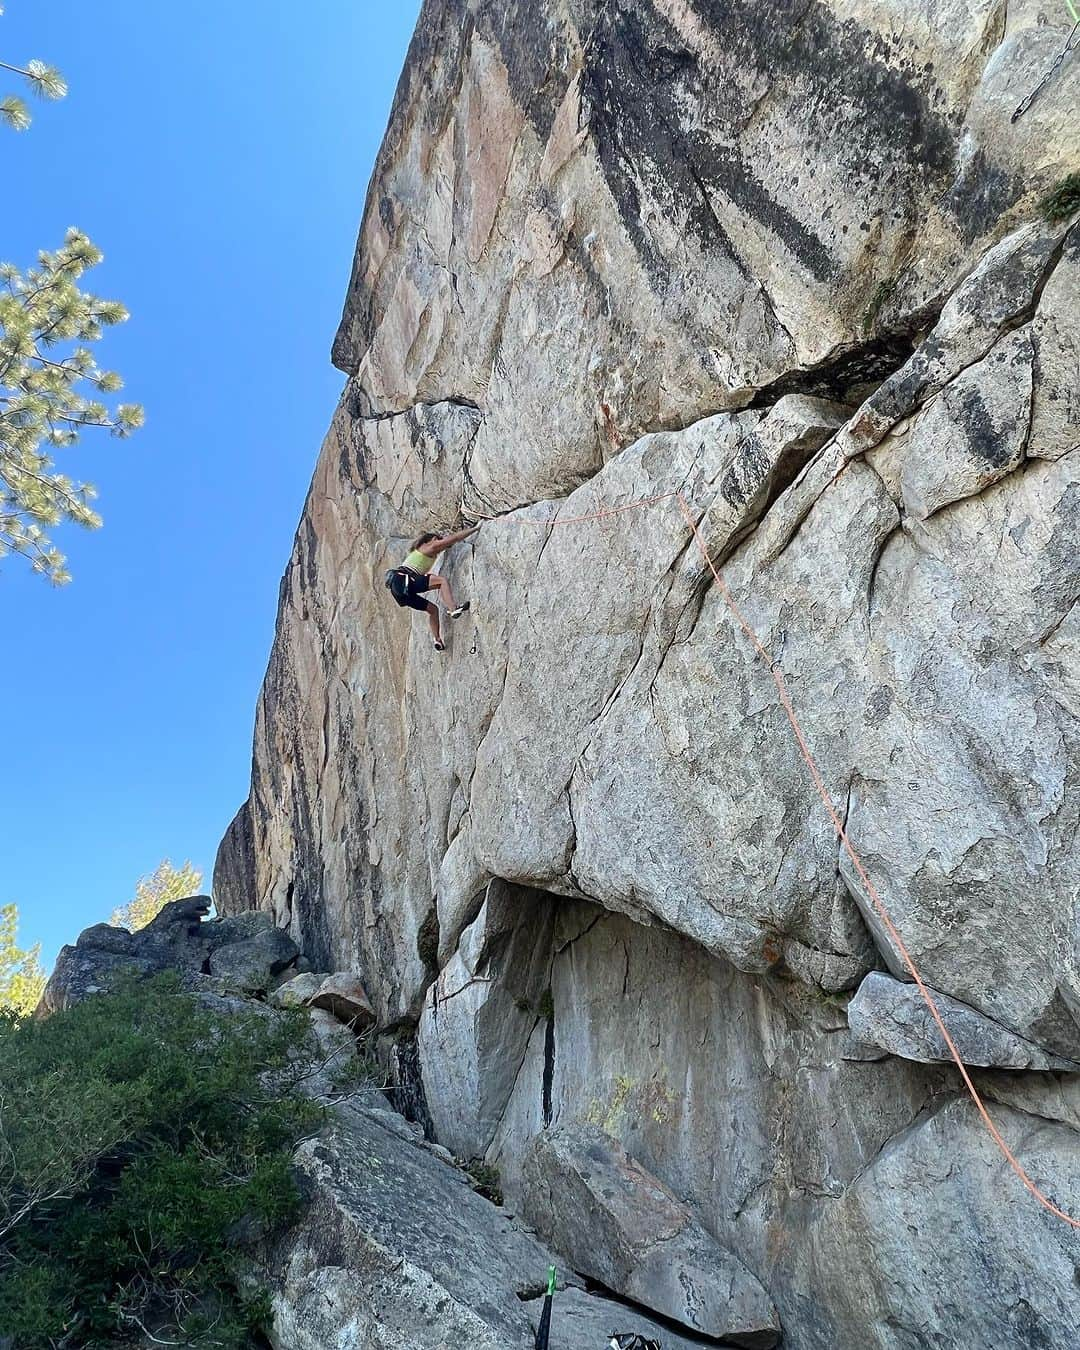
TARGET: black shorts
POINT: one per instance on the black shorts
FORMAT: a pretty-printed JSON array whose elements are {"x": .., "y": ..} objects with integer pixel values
[{"x": 409, "y": 587}]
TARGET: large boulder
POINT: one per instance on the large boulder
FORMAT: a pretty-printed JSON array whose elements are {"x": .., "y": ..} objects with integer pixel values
[
  {"x": 340, "y": 994},
  {"x": 251, "y": 963},
  {"x": 624, "y": 1229},
  {"x": 581, "y": 1321},
  {"x": 343, "y": 995},
  {"x": 965, "y": 1277},
  {"x": 102, "y": 954},
  {"x": 297, "y": 991}
]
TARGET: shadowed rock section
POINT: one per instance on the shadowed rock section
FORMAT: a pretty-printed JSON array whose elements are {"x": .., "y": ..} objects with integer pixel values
[{"x": 244, "y": 953}]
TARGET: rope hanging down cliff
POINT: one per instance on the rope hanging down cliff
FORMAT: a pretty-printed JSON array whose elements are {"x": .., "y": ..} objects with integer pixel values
[{"x": 870, "y": 889}]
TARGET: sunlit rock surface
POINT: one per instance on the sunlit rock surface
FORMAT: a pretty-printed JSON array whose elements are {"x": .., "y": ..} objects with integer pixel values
[{"x": 789, "y": 263}]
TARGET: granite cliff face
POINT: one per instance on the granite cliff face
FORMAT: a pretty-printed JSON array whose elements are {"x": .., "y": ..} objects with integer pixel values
[{"x": 785, "y": 259}]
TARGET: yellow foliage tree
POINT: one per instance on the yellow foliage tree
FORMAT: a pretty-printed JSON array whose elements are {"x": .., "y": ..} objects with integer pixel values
[
  {"x": 21, "y": 976},
  {"x": 153, "y": 893}
]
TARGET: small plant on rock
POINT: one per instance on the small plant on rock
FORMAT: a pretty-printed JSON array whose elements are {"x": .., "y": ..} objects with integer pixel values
[
  {"x": 1063, "y": 200},
  {"x": 485, "y": 1179}
]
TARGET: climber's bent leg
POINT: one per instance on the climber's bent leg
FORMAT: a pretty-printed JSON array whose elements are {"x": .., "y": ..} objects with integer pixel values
[{"x": 443, "y": 587}]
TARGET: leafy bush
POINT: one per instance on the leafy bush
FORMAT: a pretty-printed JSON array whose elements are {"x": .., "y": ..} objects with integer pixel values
[{"x": 145, "y": 1142}]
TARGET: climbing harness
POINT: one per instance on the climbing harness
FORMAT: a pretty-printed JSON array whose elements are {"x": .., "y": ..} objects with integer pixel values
[
  {"x": 398, "y": 582},
  {"x": 543, "y": 1331},
  {"x": 868, "y": 886},
  {"x": 1069, "y": 45}
]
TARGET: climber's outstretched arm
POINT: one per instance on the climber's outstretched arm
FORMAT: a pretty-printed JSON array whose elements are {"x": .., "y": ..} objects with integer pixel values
[{"x": 436, "y": 546}]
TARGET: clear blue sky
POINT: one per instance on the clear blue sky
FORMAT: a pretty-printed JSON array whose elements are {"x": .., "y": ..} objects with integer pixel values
[{"x": 219, "y": 154}]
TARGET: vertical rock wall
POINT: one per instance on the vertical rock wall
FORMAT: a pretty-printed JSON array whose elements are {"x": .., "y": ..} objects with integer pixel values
[{"x": 785, "y": 259}]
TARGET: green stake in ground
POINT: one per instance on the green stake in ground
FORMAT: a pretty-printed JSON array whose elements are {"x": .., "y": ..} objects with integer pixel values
[{"x": 543, "y": 1331}]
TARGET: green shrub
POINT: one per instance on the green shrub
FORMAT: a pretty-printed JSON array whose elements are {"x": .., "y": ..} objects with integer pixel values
[
  {"x": 1063, "y": 200},
  {"x": 145, "y": 1143}
]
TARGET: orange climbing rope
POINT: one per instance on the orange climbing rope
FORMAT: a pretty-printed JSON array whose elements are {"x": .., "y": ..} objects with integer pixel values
[
  {"x": 837, "y": 824},
  {"x": 869, "y": 887}
]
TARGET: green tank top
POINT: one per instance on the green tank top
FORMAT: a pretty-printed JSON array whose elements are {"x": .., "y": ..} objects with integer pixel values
[{"x": 419, "y": 562}]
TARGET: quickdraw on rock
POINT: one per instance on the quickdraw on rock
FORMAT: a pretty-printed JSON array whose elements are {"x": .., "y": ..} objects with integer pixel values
[{"x": 1070, "y": 43}]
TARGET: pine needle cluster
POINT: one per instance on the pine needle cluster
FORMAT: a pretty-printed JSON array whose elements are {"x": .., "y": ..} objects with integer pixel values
[
  {"x": 43, "y": 81},
  {"x": 51, "y": 387},
  {"x": 50, "y": 391}
]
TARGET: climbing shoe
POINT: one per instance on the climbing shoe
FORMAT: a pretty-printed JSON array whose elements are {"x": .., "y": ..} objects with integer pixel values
[
  {"x": 457, "y": 613},
  {"x": 631, "y": 1341}
]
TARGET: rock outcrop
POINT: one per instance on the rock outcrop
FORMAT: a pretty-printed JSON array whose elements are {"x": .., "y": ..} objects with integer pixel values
[
  {"x": 789, "y": 262},
  {"x": 393, "y": 1246},
  {"x": 341, "y": 994},
  {"x": 243, "y": 952}
]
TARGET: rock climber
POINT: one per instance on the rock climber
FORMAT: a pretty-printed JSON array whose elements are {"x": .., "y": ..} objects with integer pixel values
[{"x": 408, "y": 582}]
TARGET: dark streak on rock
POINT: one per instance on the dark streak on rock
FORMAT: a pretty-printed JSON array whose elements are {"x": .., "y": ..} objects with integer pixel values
[
  {"x": 635, "y": 122},
  {"x": 408, "y": 1094},
  {"x": 534, "y": 53},
  {"x": 981, "y": 195},
  {"x": 666, "y": 123},
  {"x": 549, "y": 1069},
  {"x": 985, "y": 441},
  {"x": 738, "y": 182}
]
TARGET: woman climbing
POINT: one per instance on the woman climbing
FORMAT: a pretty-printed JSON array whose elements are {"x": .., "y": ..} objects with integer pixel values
[{"x": 408, "y": 582}]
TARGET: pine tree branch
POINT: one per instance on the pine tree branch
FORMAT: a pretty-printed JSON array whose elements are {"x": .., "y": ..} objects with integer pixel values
[
  {"x": 54, "y": 280},
  {"x": 48, "y": 483},
  {"x": 29, "y": 548},
  {"x": 68, "y": 370}
]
